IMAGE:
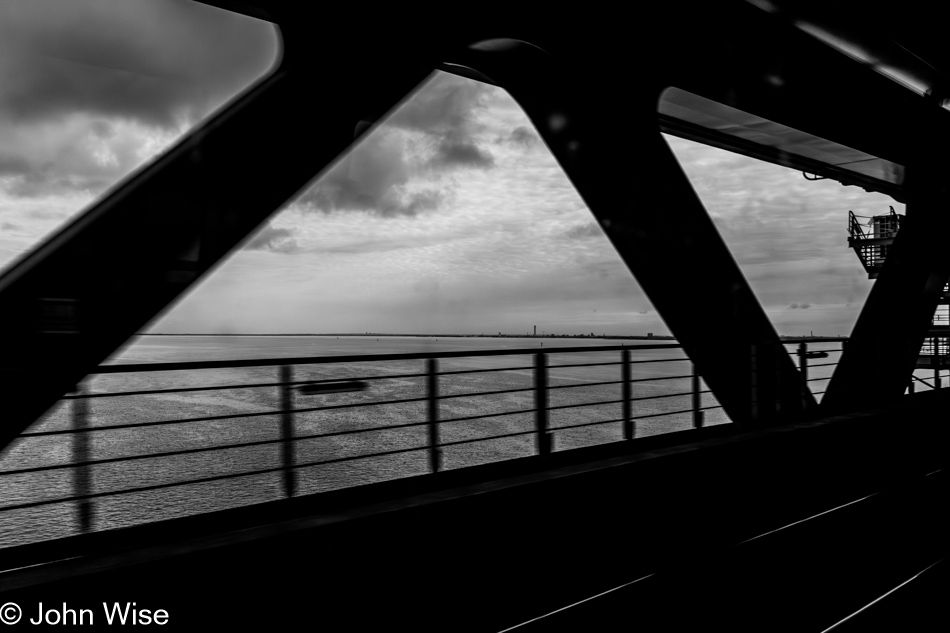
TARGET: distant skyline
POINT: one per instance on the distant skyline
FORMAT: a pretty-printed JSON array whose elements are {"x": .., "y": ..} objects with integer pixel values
[
  {"x": 645, "y": 337},
  {"x": 450, "y": 216}
]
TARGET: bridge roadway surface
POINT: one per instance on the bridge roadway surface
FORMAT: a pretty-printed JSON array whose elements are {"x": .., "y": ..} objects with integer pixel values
[{"x": 797, "y": 528}]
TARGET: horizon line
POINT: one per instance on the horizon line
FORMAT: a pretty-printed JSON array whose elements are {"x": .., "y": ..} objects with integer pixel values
[{"x": 635, "y": 336}]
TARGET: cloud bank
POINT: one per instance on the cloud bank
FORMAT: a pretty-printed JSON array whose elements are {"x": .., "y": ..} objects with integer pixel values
[
  {"x": 400, "y": 167},
  {"x": 90, "y": 90}
]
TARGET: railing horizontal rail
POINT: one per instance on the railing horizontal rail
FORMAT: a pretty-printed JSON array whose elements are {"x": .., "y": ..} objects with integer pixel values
[
  {"x": 639, "y": 417},
  {"x": 456, "y": 372},
  {"x": 213, "y": 418},
  {"x": 475, "y": 394},
  {"x": 361, "y": 358},
  {"x": 632, "y": 362},
  {"x": 586, "y": 384},
  {"x": 254, "y": 385},
  {"x": 583, "y": 365},
  {"x": 592, "y": 404},
  {"x": 472, "y": 440},
  {"x": 620, "y": 382},
  {"x": 147, "y": 392},
  {"x": 487, "y": 415}
]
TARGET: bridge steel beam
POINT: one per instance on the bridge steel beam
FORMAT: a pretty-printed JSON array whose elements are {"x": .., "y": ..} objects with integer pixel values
[
  {"x": 86, "y": 291},
  {"x": 883, "y": 348},
  {"x": 649, "y": 211}
]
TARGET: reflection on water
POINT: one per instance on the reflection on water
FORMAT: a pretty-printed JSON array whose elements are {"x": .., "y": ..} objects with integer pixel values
[{"x": 210, "y": 426}]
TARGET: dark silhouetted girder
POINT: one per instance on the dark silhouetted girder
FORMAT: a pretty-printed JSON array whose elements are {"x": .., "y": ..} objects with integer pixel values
[{"x": 883, "y": 349}]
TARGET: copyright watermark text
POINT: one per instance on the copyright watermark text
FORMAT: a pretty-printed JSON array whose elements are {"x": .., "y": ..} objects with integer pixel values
[{"x": 111, "y": 613}]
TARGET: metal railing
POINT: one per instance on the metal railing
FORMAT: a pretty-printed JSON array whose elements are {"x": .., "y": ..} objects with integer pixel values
[
  {"x": 805, "y": 356},
  {"x": 872, "y": 255},
  {"x": 935, "y": 346},
  {"x": 864, "y": 237},
  {"x": 433, "y": 422},
  {"x": 876, "y": 227},
  {"x": 289, "y": 465}
]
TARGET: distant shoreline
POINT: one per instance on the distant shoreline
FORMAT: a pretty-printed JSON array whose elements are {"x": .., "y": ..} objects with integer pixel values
[
  {"x": 551, "y": 336},
  {"x": 656, "y": 337}
]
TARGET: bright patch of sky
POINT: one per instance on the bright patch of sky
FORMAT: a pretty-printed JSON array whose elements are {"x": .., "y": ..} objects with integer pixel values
[
  {"x": 788, "y": 235},
  {"x": 450, "y": 217}
]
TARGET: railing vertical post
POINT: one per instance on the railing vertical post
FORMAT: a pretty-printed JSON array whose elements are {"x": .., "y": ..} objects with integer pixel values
[
  {"x": 910, "y": 387},
  {"x": 287, "y": 431},
  {"x": 777, "y": 389},
  {"x": 803, "y": 368},
  {"x": 697, "y": 413},
  {"x": 541, "y": 403},
  {"x": 936, "y": 377},
  {"x": 803, "y": 360},
  {"x": 432, "y": 384},
  {"x": 753, "y": 383},
  {"x": 628, "y": 430},
  {"x": 82, "y": 481}
]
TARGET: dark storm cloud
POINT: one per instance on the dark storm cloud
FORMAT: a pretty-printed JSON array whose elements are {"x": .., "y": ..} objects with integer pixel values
[
  {"x": 581, "y": 231},
  {"x": 422, "y": 201},
  {"x": 86, "y": 86},
  {"x": 271, "y": 239},
  {"x": 153, "y": 62},
  {"x": 445, "y": 109},
  {"x": 13, "y": 165},
  {"x": 446, "y": 104},
  {"x": 451, "y": 153},
  {"x": 65, "y": 160},
  {"x": 374, "y": 176},
  {"x": 523, "y": 136}
]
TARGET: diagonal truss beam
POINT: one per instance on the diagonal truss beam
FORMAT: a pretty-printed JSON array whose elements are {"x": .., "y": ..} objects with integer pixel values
[
  {"x": 81, "y": 295},
  {"x": 882, "y": 351},
  {"x": 634, "y": 186}
]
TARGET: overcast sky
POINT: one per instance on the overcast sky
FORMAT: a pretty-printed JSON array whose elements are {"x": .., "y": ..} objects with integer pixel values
[
  {"x": 450, "y": 216},
  {"x": 89, "y": 89}
]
